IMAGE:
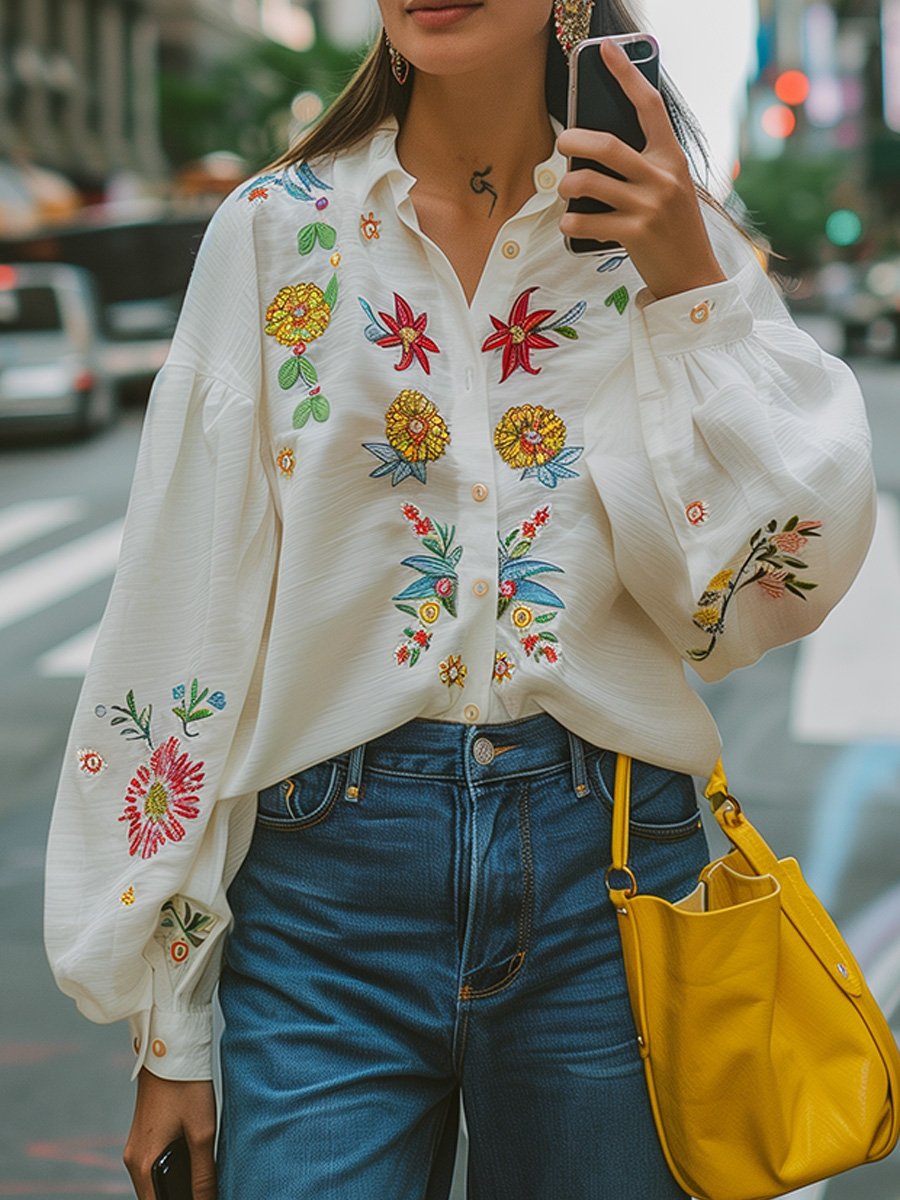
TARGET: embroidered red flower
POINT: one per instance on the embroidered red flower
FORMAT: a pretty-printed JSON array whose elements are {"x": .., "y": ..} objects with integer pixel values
[
  {"x": 421, "y": 637},
  {"x": 530, "y": 642},
  {"x": 542, "y": 516},
  {"x": 410, "y": 512},
  {"x": 408, "y": 330},
  {"x": 550, "y": 654},
  {"x": 160, "y": 797},
  {"x": 529, "y": 529},
  {"x": 402, "y": 654},
  {"x": 696, "y": 512},
  {"x": 423, "y": 526},
  {"x": 508, "y": 588},
  {"x": 519, "y": 336}
]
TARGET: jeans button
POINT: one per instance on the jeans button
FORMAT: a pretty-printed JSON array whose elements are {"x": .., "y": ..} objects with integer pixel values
[{"x": 483, "y": 751}]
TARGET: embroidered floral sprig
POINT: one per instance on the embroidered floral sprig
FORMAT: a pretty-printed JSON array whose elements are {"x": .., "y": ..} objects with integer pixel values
[
  {"x": 299, "y": 182},
  {"x": 437, "y": 585},
  {"x": 526, "y": 331},
  {"x": 417, "y": 435},
  {"x": 534, "y": 438},
  {"x": 194, "y": 924},
  {"x": 136, "y": 725},
  {"x": 404, "y": 329},
  {"x": 191, "y": 709},
  {"x": 771, "y": 564},
  {"x": 518, "y": 589}
]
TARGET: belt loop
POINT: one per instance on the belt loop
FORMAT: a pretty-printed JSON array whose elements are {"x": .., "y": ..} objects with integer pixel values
[
  {"x": 579, "y": 770},
  {"x": 354, "y": 773}
]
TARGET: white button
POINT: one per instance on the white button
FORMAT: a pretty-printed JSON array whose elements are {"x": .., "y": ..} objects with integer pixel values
[
  {"x": 481, "y": 587},
  {"x": 546, "y": 179},
  {"x": 510, "y": 249},
  {"x": 471, "y": 712},
  {"x": 479, "y": 492}
]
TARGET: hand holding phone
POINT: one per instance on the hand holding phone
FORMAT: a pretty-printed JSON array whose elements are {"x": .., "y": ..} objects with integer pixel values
[
  {"x": 171, "y": 1172},
  {"x": 597, "y": 101}
]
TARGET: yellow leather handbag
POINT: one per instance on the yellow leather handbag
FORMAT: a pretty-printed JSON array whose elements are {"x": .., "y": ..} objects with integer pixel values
[{"x": 768, "y": 1062}]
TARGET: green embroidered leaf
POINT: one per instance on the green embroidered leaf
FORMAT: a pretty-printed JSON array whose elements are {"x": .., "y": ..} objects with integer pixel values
[
  {"x": 118, "y": 720},
  {"x": 566, "y": 331},
  {"x": 804, "y": 585},
  {"x": 199, "y": 713},
  {"x": 549, "y": 637},
  {"x": 772, "y": 526},
  {"x": 302, "y": 413},
  {"x": 449, "y": 602},
  {"x": 331, "y": 292},
  {"x": 321, "y": 409},
  {"x": 180, "y": 713},
  {"x": 414, "y": 657},
  {"x": 794, "y": 562},
  {"x": 308, "y": 371},
  {"x": 408, "y": 609},
  {"x": 289, "y": 372},
  {"x": 454, "y": 556},
  {"x": 544, "y": 618},
  {"x": 503, "y": 604},
  {"x": 327, "y": 235},
  {"x": 433, "y": 545},
  {"x": 306, "y": 238},
  {"x": 792, "y": 525},
  {"x": 409, "y": 632},
  {"x": 510, "y": 538},
  {"x": 518, "y": 551},
  {"x": 619, "y": 298}
]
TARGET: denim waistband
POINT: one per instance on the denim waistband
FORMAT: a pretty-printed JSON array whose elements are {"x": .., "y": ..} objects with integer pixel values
[{"x": 472, "y": 753}]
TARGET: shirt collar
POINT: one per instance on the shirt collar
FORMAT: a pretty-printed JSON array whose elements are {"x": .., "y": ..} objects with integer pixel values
[{"x": 380, "y": 163}]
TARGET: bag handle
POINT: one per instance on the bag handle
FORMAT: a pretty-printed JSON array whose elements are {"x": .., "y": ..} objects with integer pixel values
[{"x": 725, "y": 808}]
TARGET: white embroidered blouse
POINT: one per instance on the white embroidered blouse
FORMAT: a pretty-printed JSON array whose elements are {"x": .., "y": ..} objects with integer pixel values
[{"x": 359, "y": 500}]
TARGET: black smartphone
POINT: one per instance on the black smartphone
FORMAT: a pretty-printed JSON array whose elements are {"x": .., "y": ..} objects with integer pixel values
[
  {"x": 171, "y": 1173},
  {"x": 596, "y": 101}
]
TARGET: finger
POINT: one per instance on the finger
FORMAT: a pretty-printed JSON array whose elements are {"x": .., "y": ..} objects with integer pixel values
[
  {"x": 201, "y": 1143},
  {"x": 651, "y": 110},
  {"x": 605, "y": 148},
  {"x": 597, "y": 227},
  {"x": 597, "y": 187}
]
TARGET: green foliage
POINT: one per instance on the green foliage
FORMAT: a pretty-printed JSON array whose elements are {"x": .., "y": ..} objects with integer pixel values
[
  {"x": 241, "y": 105},
  {"x": 789, "y": 199}
]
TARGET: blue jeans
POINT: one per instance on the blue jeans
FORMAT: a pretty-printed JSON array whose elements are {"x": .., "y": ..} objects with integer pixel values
[{"x": 426, "y": 917}]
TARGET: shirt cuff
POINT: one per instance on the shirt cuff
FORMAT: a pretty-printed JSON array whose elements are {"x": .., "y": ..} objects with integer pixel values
[
  {"x": 173, "y": 1045},
  {"x": 701, "y": 317}
]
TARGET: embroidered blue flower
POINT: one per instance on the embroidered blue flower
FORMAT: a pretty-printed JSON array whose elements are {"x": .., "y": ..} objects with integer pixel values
[{"x": 217, "y": 700}]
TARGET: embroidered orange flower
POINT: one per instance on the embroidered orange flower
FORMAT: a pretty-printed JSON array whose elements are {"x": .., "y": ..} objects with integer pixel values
[
  {"x": 299, "y": 313},
  {"x": 370, "y": 227},
  {"x": 696, "y": 512},
  {"x": 503, "y": 667},
  {"x": 529, "y": 436},
  {"x": 454, "y": 671},
  {"x": 91, "y": 762},
  {"x": 285, "y": 460},
  {"x": 793, "y": 541},
  {"x": 415, "y": 429},
  {"x": 160, "y": 797},
  {"x": 127, "y": 897}
]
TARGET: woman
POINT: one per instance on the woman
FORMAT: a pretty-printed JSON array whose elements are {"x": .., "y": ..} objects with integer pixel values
[{"x": 333, "y": 635}]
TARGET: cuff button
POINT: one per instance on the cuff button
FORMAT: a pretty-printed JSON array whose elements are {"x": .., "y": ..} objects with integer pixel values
[
  {"x": 136, "y": 1044},
  {"x": 158, "y": 1046},
  {"x": 701, "y": 312}
]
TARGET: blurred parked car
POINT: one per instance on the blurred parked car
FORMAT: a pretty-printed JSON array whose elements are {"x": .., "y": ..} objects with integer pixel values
[{"x": 52, "y": 370}]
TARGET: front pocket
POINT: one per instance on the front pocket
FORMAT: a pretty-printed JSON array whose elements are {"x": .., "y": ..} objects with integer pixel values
[
  {"x": 663, "y": 802},
  {"x": 303, "y": 799}
]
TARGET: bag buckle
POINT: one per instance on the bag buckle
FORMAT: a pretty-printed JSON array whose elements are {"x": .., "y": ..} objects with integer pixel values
[{"x": 632, "y": 881}]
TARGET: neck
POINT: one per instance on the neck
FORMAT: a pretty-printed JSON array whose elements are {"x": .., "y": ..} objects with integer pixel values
[{"x": 474, "y": 140}]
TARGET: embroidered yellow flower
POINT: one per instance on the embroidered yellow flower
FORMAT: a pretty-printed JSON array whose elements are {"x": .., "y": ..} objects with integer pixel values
[
  {"x": 522, "y": 616},
  {"x": 127, "y": 897},
  {"x": 708, "y": 618},
  {"x": 415, "y": 428},
  {"x": 298, "y": 314},
  {"x": 503, "y": 667},
  {"x": 370, "y": 227},
  {"x": 529, "y": 436},
  {"x": 286, "y": 461},
  {"x": 429, "y": 612},
  {"x": 454, "y": 671},
  {"x": 720, "y": 582}
]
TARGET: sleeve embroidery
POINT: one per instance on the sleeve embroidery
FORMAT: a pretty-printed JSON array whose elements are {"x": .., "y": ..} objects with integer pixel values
[{"x": 771, "y": 564}]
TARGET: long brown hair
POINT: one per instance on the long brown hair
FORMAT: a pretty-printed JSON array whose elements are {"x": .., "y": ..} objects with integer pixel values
[{"x": 373, "y": 96}]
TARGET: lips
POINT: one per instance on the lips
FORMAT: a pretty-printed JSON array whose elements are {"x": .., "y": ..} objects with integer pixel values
[{"x": 447, "y": 4}]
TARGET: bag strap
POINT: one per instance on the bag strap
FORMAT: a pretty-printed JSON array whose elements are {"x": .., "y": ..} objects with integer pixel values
[{"x": 726, "y": 809}]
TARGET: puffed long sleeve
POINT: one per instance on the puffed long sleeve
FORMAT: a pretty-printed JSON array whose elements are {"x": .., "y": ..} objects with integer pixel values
[
  {"x": 741, "y": 498},
  {"x": 146, "y": 833}
]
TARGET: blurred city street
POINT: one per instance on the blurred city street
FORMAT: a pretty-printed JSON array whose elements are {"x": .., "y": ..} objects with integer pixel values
[{"x": 67, "y": 1082}]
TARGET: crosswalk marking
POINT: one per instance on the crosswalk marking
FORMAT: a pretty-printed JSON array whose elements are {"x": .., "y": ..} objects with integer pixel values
[
  {"x": 847, "y": 680},
  {"x": 36, "y": 585},
  {"x": 70, "y": 659},
  {"x": 29, "y": 519}
]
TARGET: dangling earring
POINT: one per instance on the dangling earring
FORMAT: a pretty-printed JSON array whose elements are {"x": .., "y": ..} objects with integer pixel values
[
  {"x": 572, "y": 19},
  {"x": 399, "y": 65}
]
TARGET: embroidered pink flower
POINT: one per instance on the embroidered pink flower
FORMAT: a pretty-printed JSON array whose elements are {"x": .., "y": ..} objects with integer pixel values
[
  {"x": 519, "y": 336},
  {"x": 773, "y": 583},
  {"x": 160, "y": 797},
  {"x": 408, "y": 330},
  {"x": 444, "y": 586},
  {"x": 793, "y": 541},
  {"x": 508, "y": 588}
]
